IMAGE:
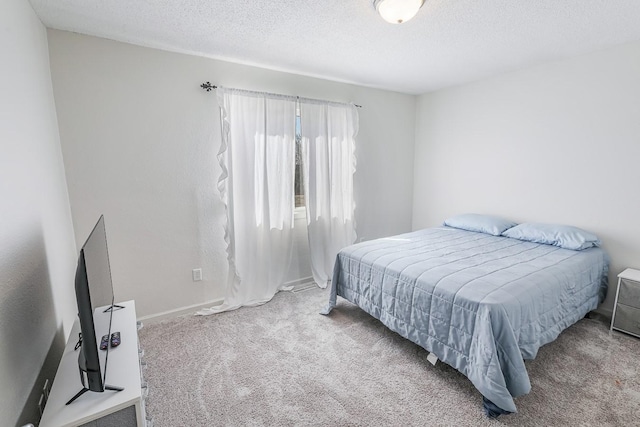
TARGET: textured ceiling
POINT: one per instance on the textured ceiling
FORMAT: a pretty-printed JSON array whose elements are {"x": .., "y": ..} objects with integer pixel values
[{"x": 449, "y": 42}]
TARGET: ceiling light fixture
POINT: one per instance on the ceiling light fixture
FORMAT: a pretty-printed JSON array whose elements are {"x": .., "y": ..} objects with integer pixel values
[{"x": 397, "y": 11}]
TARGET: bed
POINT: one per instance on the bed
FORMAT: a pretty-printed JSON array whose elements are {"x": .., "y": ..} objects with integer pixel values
[{"x": 481, "y": 303}]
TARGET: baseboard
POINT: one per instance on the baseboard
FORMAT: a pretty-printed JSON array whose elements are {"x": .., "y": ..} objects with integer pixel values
[
  {"x": 305, "y": 287},
  {"x": 153, "y": 318},
  {"x": 607, "y": 312},
  {"x": 298, "y": 285}
]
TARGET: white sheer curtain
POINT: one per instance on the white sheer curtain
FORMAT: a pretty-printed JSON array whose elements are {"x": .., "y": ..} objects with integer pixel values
[
  {"x": 257, "y": 157},
  {"x": 328, "y": 133}
]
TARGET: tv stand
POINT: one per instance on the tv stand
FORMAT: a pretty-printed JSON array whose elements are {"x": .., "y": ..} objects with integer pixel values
[{"x": 124, "y": 408}]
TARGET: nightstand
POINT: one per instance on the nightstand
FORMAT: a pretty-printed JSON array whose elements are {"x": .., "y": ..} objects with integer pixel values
[{"x": 626, "y": 309}]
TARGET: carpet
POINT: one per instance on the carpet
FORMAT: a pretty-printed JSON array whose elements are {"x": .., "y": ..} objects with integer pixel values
[{"x": 283, "y": 364}]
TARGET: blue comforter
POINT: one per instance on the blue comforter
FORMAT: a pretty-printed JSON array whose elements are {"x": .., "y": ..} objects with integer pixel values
[{"x": 481, "y": 303}]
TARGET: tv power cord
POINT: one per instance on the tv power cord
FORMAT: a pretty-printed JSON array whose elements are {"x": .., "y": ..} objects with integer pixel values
[{"x": 79, "y": 343}]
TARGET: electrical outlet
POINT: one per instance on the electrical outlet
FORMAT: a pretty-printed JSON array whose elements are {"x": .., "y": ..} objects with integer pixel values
[
  {"x": 46, "y": 390},
  {"x": 196, "y": 274},
  {"x": 41, "y": 404}
]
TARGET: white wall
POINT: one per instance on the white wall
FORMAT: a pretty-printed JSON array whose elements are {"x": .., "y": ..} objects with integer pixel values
[
  {"x": 140, "y": 139},
  {"x": 37, "y": 249},
  {"x": 558, "y": 143}
]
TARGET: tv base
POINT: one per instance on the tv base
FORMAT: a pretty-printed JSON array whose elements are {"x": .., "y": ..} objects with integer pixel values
[
  {"x": 84, "y": 390},
  {"x": 113, "y": 307}
]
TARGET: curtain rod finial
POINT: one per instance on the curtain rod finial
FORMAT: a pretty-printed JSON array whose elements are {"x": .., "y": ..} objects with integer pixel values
[{"x": 208, "y": 86}]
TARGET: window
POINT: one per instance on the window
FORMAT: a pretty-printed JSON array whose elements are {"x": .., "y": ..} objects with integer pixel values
[{"x": 298, "y": 185}]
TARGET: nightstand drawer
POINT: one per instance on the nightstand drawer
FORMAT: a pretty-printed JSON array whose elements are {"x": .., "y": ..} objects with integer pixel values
[
  {"x": 629, "y": 293},
  {"x": 627, "y": 319}
]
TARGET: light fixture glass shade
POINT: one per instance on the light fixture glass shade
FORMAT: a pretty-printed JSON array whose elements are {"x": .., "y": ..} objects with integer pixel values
[{"x": 397, "y": 11}]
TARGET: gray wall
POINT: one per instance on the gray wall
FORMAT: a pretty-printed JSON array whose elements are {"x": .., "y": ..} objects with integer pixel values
[
  {"x": 557, "y": 143},
  {"x": 140, "y": 140},
  {"x": 37, "y": 249}
]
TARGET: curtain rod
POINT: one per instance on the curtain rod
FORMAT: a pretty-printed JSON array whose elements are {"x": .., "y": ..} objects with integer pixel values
[{"x": 208, "y": 86}]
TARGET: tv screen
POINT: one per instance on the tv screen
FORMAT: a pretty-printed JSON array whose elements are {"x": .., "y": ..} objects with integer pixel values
[
  {"x": 98, "y": 270},
  {"x": 93, "y": 290}
]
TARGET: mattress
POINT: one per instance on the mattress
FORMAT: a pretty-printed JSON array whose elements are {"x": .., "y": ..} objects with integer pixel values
[{"x": 481, "y": 303}]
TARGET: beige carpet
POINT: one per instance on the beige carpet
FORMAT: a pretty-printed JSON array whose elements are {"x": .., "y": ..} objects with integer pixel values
[{"x": 283, "y": 364}]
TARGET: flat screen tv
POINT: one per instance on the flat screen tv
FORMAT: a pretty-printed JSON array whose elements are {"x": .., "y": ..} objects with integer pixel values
[{"x": 94, "y": 289}]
